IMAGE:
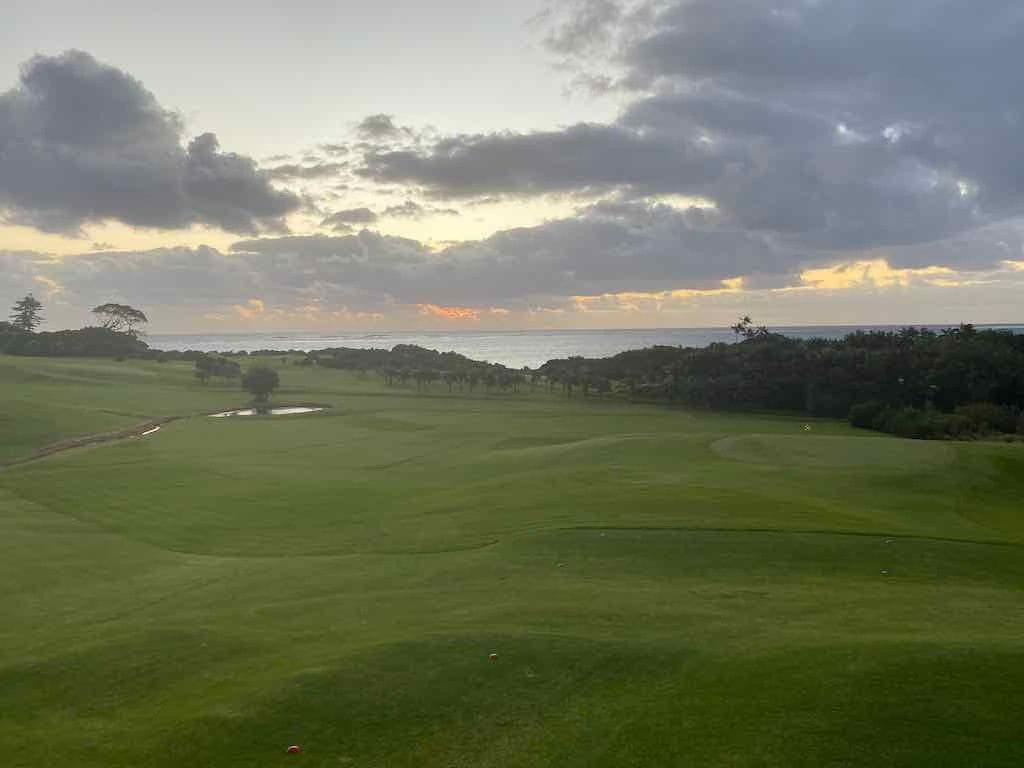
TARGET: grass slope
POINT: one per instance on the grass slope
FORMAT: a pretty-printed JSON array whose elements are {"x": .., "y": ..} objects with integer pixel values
[{"x": 663, "y": 588}]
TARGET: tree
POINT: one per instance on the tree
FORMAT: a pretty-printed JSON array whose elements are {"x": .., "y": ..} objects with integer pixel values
[
  {"x": 209, "y": 366},
  {"x": 746, "y": 328},
  {"x": 27, "y": 314},
  {"x": 260, "y": 381},
  {"x": 120, "y": 317}
]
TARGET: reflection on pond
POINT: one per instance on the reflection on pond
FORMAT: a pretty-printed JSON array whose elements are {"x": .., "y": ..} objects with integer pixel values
[{"x": 271, "y": 412}]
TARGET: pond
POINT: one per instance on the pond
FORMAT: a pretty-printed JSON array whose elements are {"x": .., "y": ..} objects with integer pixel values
[{"x": 273, "y": 412}]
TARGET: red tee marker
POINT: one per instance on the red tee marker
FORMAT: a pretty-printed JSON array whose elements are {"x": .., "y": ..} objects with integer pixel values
[
  {"x": 294, "y": 749},
  {"x": 493, "y": 657}
]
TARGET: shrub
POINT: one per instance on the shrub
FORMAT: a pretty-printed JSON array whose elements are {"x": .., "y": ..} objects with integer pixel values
[
  {"x": 957, "y": 427},
  {"x": 917, "y": 424},
  {"x": 910, "y": 423},
  {"x": 863, "y": 415},
  {"x": 989, "y": 417}
]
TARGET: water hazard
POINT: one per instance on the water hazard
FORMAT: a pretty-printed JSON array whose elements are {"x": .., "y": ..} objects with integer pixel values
[{"x": 272, "y": 412}]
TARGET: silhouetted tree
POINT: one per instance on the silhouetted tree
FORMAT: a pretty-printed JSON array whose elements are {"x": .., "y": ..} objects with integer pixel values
[
  {"x": 27, "y": 314},
  {"x": 120, "y": 317},
  {"x": 746, "y": 328}
]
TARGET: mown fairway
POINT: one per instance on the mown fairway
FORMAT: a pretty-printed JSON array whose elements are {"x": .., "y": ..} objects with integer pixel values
[{"x": 662, "y": 588}]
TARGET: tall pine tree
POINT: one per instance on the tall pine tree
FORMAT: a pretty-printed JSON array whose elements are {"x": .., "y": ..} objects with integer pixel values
[{"x": 27, "y": 314}]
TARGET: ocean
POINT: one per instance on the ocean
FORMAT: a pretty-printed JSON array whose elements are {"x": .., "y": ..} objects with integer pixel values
[{"x": 514, "y": 349}]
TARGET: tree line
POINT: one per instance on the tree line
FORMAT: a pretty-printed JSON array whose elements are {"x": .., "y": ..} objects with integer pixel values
[
  {"x": 116, "y": 333},
  {"x": 912, "y": 382},
  {"x": 919, "y": 383},
  {"x": 412, "y": 365}
]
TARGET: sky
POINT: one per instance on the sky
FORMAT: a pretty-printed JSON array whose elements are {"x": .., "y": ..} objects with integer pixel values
[{"x": 477, "y": 164}]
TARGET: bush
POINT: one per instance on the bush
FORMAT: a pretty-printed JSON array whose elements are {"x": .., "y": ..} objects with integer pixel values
[
  {"x": 989, "y": 417},
  {"x": 863, "y": 415},
  {"x": 917, "y": 424},
  {"x": 957, "y": 427},
  {"x": 910, "y": 423}
]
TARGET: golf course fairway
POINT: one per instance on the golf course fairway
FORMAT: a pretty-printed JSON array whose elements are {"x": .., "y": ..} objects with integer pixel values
[{"x": 660, "y": 587}]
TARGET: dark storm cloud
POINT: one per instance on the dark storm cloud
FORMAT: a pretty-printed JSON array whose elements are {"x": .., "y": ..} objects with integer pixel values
[
  {"x": 832, "y": 125},
  {"x": 82, "y": 141}
]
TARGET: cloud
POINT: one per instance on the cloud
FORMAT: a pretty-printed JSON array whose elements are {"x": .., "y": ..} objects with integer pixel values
[
  {"x": 312, "y": 171},
  {"x": 646, "y": 260},
  {"x": 252, "y": 309},
  {"x": 378, "y": 127},
  {"x": 813, "y": 122},
  {"x": 335, "y": 149},
  {"x": 341, "y": 221},
  {"x": 584, "y": 26},
  {"x": 413, "y": 210},
  {"x": 582, "y": 158},
  {"x": 606, "y": 248},
  {"x": 450, "y": 313},
  {"x": 50, "y": 287},
  {"x": 81, "y": 141}
]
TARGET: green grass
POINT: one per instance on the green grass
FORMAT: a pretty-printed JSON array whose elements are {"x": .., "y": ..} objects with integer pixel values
[{"x": 663, "y": 588}]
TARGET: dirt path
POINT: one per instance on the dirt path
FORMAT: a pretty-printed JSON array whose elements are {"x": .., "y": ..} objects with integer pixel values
[
  {"x": 146, "y": 427},
  {"x": 139, "y": 430}
]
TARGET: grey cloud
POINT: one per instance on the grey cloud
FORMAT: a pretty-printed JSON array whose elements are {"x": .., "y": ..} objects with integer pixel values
[
  {"x": 637, "y": 249},
  {"x": 584, "y": 25},
  {"x": 226, "y": 190},
  {"x": 335, "y": 149},
  {"x": 581, "y": 158},
  {"x": 341, "y": 221},
  {"x": 615, "y": 247},
  {"x": 980, "y": 249},
  {"x": 377, "y": 127},
  {"x": 410, "y": 209},
  {"x": 309, "y": 171},
  {"x": 82, "y": 141},
  {"x": 833, "y": 125},
  {"x": 608, "y": 248}
]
